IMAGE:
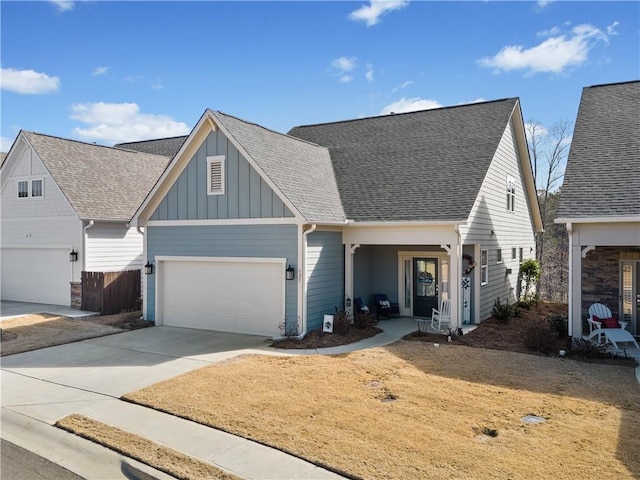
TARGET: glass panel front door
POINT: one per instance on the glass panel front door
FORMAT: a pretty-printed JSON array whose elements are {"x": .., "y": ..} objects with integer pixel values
[
  {"x": 425, "y": 286},
  {"x": 631, "y": 295}
]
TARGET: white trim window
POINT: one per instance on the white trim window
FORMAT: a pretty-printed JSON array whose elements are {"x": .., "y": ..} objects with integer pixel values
[
  {"x": 215, "y": 175},
  {"x": 511, "y": 194},
  {"x": 513, "y": 253},
  {"x": 484, "y": 267},
  {"x": 499, "y": 255},
  {"x": 37, "y": 189},
  {"x": 23, "y": 188}
]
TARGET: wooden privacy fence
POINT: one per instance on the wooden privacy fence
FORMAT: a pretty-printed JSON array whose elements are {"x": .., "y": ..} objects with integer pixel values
[{"x": 110, "y": 292}]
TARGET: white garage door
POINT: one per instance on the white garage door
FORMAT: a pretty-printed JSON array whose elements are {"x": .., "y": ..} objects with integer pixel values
[
  {"x": 230, "y": 295},
  {"x": 39, "y": 275}
]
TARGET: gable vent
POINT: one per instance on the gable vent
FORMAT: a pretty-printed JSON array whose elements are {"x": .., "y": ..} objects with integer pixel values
[{"x": 215, "y": 175}]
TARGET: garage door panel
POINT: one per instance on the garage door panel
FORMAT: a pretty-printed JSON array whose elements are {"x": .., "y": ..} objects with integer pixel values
[
  {"x": 233, "y": 296},
  {"x": 39, "y": 275}
]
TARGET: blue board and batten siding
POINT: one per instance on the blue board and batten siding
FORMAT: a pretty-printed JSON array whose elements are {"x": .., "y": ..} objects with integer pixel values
[
  {"x": 270, "y": 241},
  {"x": 325, "y": 276},
  {"x": 246, "y": 195}
]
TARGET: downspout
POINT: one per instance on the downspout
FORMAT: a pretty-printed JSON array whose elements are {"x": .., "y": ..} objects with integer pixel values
[
  {"x": 84, "y": 243},
  {"x": 570, "y": 285}
]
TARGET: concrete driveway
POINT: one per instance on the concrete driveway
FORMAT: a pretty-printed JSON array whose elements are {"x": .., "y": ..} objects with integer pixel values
[{"x": 11, "y": 309}]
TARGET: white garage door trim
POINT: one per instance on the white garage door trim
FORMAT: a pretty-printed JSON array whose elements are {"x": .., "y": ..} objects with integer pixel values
[{"x": 161, "y": 262}]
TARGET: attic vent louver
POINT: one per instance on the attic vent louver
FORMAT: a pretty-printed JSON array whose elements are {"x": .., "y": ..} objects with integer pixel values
[{"x": 215, "y": 175}]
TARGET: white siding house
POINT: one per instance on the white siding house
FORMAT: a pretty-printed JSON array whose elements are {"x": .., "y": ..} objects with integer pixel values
[{"x": 59, "y": 196}]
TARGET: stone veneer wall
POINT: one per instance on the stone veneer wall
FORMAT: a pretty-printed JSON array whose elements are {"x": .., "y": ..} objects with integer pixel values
[
  {"x": 601, "y": 278},
  {"x": 76, "y": 295}
]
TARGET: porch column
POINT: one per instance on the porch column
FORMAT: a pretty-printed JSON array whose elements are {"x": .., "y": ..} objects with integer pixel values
[
  {"x": 349, "y": 252},
  {"x": 575, "y": 286},
  {"x": 456, "y": 283}
]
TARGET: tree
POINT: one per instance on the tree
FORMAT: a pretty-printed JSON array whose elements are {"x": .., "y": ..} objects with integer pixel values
[{"x": 548, "y": 150}]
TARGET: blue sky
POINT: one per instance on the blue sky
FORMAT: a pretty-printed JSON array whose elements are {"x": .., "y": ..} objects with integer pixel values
[{"x": 110, "y": 72}]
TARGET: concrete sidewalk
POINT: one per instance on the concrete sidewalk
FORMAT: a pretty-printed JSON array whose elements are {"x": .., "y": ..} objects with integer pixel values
[
  {"x": 40, "y": 387},
  {"x": 11, "y": 309}
]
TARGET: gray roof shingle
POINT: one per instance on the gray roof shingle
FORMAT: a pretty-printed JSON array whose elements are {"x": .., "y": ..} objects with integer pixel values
[
  {"x": 300, "y": 170},
  {"x": 602, "y": 178},
  {"x": 101, "y": 183},
  {"x": 167, "y": 147},
  {"x": 419, "y": 166}
]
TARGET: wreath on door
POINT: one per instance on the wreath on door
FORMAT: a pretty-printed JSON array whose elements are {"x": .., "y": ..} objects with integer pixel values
[{"x": 470, "y": 264}]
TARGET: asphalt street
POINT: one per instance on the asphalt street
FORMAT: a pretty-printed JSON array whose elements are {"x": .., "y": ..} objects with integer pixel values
[{"x": 16, "y": 463}]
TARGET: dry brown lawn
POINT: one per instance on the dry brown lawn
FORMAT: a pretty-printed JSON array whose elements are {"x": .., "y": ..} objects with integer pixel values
[
  {"x": 162, "y": 458},
  {"x": 32, "y": 332},
  {"x": 412, "y": 410}
]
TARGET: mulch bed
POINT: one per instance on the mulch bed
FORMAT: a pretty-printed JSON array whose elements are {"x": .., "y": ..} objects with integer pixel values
[{"x": 319, "y": 339}]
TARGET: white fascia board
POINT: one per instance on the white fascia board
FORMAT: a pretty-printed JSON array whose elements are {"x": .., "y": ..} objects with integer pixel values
[
  {"x": 20, "y": 144},
  {"x": 525, "y": 163},
  {"x": 598, "y": 220},
  {"x": 223, "y": 221},
  {"x": 419, "y": 223},
  {"x": 257, "y": 168}
]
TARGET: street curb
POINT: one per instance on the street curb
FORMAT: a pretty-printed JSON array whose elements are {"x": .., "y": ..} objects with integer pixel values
[{"x": 80, "y": 456}]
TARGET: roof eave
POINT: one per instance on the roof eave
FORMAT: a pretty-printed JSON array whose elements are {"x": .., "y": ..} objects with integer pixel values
[{"x": 607, "y": 219}]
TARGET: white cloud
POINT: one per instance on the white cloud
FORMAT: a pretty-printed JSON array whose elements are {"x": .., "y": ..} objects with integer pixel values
[
  {"x": 5, "y": 144},
  {"x": 370, "y": 14},
  {"x": 100, "y": 71},
  {"x": 402, "y": 86},
  {"x": 344, "y": 64},
  {"x": 555, "y": 55},
  {"x": 63, "y": 5},
  {"x": 540, "y": 4},
  {"x": 342, "y": 67},
  {"x": 410, "y": 105},
  {"x": 123, "y": 122},
  {"x": 369, "y": 74},
  {"x": 28, "y": 81},
  {"x": 536, "y": 127},
  {"x": 611, "y": 29}
]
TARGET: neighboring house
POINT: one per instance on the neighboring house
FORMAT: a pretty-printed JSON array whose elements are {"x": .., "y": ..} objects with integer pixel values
[
  {"x": 600, "y": 205},
  {"x": 60, "y": 196},
  {"x": 402, "y": 204}
]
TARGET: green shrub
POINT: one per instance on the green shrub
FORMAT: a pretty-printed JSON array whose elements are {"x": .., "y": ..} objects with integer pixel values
[
  {"x": 502, "y": 312},
  {"x": 530, "y": 271},
  {"x": 559, "y": 324}
]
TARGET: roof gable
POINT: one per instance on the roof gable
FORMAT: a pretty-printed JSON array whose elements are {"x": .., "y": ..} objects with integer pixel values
[
  {"x": 419, "y": 166},
  {"x": 100, "y": 183},
  {"x": 602, "y": 178}
]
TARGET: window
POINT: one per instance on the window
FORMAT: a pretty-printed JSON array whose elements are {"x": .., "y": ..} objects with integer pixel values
[
  {"x": 513, "y": 253},
  {"x": 23, "y": 188},
  {"x": 215, "y": 175},
  {"x": 484, "y": 267},
  {"x": 511, "y": 194},
  {"x": 520, "y": 255},
  {"x": 36, "y": 188},
  {"x": 499, "y": 255}
]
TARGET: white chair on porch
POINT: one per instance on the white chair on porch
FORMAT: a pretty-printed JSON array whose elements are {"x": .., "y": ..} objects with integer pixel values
[
  {"x": 604, "y": 327},
  {"x": 441, "y": 318}
]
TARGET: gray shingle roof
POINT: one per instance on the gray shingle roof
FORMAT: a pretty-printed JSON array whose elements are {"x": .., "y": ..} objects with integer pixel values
[
  {"x": 602, "y": 177},
  {"x": 300, "y": 170},
  {"x": 420, "y": 166},
  {"x": 101, "y": 183},
  {"x": 167, "y": 147}
]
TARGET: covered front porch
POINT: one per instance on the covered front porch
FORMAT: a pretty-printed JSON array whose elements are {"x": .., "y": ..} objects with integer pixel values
[{"x": 417, "y": 267}]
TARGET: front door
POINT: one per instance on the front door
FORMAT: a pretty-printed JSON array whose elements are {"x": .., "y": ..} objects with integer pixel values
[{"x": 425, "y": 286}]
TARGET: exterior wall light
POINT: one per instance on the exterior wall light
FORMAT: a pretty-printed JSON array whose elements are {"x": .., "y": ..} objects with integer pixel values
[
  {"x": 290, "y": 273},
  {"x": 148, "y": 268},
  {"x": 73, "y": 255}
]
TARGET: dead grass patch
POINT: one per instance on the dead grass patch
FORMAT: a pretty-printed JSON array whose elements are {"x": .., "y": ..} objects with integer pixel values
[
  {"x": 152, "y": 453},
  {"x": 32, "y": 332},
  {"x": 412, "y": 410}
]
